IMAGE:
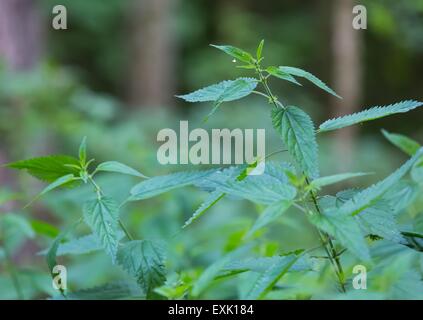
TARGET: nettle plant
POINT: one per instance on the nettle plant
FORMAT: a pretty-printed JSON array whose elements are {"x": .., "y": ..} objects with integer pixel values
[{"x": 346, "y": 224}]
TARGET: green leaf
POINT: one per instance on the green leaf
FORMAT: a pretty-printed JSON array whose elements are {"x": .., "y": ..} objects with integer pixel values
[
  {"x": 224, "y": 91},
  {"x": 82, "y": 245},
  {"x": 263, "y": 189},
  {"x": 369, "y": 114},
  {"x": 345, "y": 229},
  {"x": 297, "y": 132},
  {"x": 260, "y": 50},
  {"x": 278, "y": 73},
  {"x": 370, "y": 196},
  {"x": 44, "y": 228},
  {"x": 407, "y": 145},
  {"x": 161, "y": 184},
  {"x": 114, "y": 166},
  {"x": 328, "y": 180},
  {"x": 268, "y": 279},
  {"x": 208, "y": 275},
  {"x": 83, "y": 151},
  {"x": 144, "y": 260},
  {"x": 102, "y": 216},
  {"x": 57, "y": 183},
  {"x": 376, "y": 220},
  {"x": 271, "y": 214},
  {"x": 49, "y": 168},
  {"x": 212, "y": 199},
  {"x": 310, "y": 77},
  {"x": 237, "y": 53}
]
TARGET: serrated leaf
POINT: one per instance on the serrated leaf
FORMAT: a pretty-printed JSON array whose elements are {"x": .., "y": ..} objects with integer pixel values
[
  {"x": 267, "y": 280},
  {"x": 144, "y": 260},
  {"x": 237, "y": 53},
  {"x": 49, "y": 168},
  {"x": 271, "y": 214},
  {"x": 310, "y": 77},
  {"x": 404, "y": 143},
  {"x": 102, "y": 216},
  {"x": 83, "y": 151},
  {"x": 328, "y": 180},
  {"x": 297, "y": 132},
  {"x": 345, "y": 229},
  {"x": 263, "y": 189},
  {"x": 211, "y": 200},
  {"x": 115, "y": 166},
  {"x": 224, "y": 91},
  {"x": 368, "y": 197},
  {"x": 161, "y": 184},
  {"x": 278, "y": 73},
  {"x": 376, "y": 220},
  {"x": 369, "y": 114}
]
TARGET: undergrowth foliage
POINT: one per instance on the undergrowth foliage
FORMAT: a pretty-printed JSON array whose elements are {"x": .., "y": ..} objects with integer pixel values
[{"x": 346, "y": 223}]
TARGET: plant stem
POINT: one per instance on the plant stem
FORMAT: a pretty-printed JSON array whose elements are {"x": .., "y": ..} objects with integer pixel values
[
  {"x": 324, "y": 238},
  {"x": 332, "y": 254}
]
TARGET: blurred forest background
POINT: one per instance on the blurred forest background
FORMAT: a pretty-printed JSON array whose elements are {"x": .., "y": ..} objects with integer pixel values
[{"x": 112, "y": 76}]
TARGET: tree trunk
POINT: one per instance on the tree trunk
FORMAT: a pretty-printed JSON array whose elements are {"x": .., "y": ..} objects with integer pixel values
[
  {"x": 20, "y": 33},
  {"x": 346, "y": 46},
  {"x": 152, "y": 62}
]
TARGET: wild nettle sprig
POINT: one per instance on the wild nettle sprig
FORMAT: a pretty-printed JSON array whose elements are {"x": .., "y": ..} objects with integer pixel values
[
  {"x": 298, "y": 134},
  {"x": 343, "y": 222}
]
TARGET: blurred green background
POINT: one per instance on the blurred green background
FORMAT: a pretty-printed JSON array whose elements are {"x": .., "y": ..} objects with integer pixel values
[{"x": 112, "y": 76}]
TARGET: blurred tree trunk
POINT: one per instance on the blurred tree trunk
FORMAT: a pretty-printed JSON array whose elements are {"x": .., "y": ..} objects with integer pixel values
[
  {"x": 152, "y": 59},
  {"x": 347, "y": 76},
  {"x": 20, "y": 48}
]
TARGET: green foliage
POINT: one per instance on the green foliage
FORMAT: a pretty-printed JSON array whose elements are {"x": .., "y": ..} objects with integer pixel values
[
  {"x": 102, "y": 216},
  {"x": 297, "y": 132},
  {"x": 114, "y": 166},
  {"x": 271, "y": 214},
  {"x": 158, "y": 185},
  {"x": 369, "y": 114},
  {"x": 144, "y": 260},
  {"x": 404, "y": 143},
  {"x": 370, "y": 196},
  {"x": 328, "y": 180},
  {"x": 48, "y": 168},
  {"x": 239, "y": 54},
  {"x": 357, "y": 226},
  {"x": 278, "y": 73},
  {"x": 222, "y": 92},
  {"x": 266, "y": 280}
]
